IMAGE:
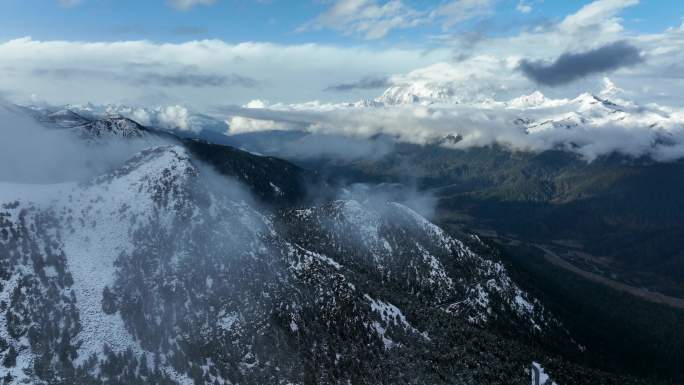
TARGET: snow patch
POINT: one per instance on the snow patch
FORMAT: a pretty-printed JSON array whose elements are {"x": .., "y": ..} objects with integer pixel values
[
  {"x": 390, "y": 315},
  {"x": 539, "y": 376}
]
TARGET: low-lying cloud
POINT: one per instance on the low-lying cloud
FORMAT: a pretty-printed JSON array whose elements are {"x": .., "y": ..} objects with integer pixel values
[
  {"x": 366, "y": 83},
  {"x": 185, "y": 78},
  {"x": 31, "y": 153},
  {"x": 570, "y": 67},
  {"x": 377, "y": 195},
  {"x": 586, "y": 125},
  {"x": 76, "y": 72},
  {"x": 305, "y": 146},
  {"x": 374, "y": 19}
]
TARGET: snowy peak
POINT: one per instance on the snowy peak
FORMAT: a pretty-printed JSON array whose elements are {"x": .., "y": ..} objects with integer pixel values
[
  {"x": 65, "y": 118},
  {"x": 110, "y": 125},
  {"x": 582, "y": 102},
  {"x": 610, "y": 89},
  {"x": 587, "y": 101},
  {"x": 417, "y": 93},
  {"x": 165, "y": 168},
  {"x": 533, "y": 100},
  {"x": 113, "y": 126}
]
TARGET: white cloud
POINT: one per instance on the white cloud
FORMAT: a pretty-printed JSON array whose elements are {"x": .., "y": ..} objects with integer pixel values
[
  {"x": 174, "y": 116},
  {"x": 523, "y": 7},
  {"x": 373, "y": 19},
  {"x": 200, "y": 74},
  {"x": 55, "y": 156},
  {"x": 600, "y": 13},
  {"x": 63, "y": 72},
  {"x": 185, "y": 5},
  {"x": 366, "y": 17},
  {"x": 241, "y": 125},
  {"x": 583, "y": 124},
  {"x": 257, "y": 103},
  {"x": 171, "y": 117},
  {"x": 458, "y": 11}
]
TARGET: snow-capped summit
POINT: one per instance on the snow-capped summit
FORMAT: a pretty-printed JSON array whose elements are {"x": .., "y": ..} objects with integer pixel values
[
  {"x": 65, "y": 118},
  {"x": 535, "y": 99},
  {"x": 90, "y": 126},
  {"x": 417, "y": 93},
  {"x": 610, "y": 89},
  {"x": 114, "y": 125},
  {"x": 366, "y": 103},
  {"x": 588, "y": 100},
  {"x": 175, "y": 118}
]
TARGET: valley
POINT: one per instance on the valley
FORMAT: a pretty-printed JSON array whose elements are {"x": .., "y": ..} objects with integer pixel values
[{"x": 571, "y": 260}]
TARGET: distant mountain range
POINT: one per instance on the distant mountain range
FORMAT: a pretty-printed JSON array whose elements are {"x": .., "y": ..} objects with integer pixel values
[{"x": 591, "y": 125}]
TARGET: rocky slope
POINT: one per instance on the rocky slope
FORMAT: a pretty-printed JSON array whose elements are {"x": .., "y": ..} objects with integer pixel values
[{"x": 144, "y": 264}]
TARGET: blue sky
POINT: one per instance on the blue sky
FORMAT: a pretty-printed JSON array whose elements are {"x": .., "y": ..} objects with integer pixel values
[{"x": 277, "y": 20}]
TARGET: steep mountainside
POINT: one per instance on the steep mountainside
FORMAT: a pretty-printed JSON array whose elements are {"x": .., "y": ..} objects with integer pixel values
[
  {"x": 151, "y": 274},
  {"x": 112, "y": 125},
  {"x": 288, "y": 186}
]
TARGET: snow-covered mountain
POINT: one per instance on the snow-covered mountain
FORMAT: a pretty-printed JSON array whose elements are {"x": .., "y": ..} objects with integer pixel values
[
  {"x": 418, "y": 93},
  {"x": 63, "y": 118},
  {"x": 166, "y": 271},
  {"x": 594, "y": 125},
  {"x": 112, "y": 126},
  {"x": 177, "y": 118},
  {"x": 591, "y": 124},
  {"x": 536, "y": 111}
]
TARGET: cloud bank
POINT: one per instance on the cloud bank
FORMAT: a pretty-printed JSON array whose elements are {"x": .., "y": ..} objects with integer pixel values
[
  {"x": 572, "y": 66},
  {"x": 588, "y": 125},
  {"x": 366, "y": 83},
  {"x": 207, "y": 72},
  {"x": 188, "y": 77},
  {"x": 31, "y": 153},
  {"x": 197, "y": 73},
  {"x": 373, "y": 19}
]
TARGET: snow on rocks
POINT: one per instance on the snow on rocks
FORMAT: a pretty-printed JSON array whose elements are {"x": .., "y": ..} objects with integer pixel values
[
  {"x": 390, "y": 316},
  {"x": 92, "y": 236},
  {"x": 539, "y": 376}
]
